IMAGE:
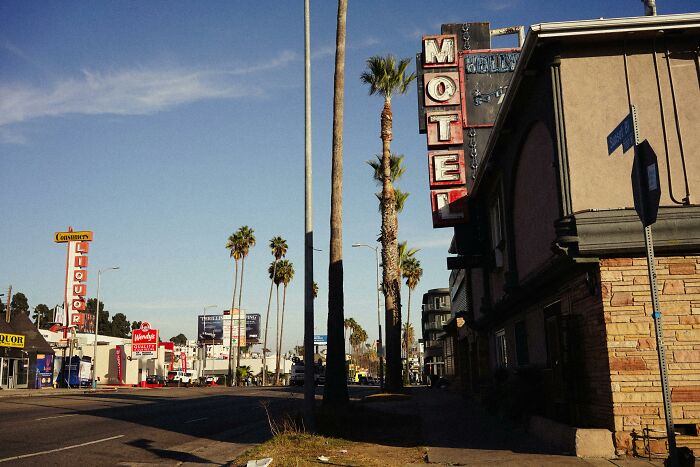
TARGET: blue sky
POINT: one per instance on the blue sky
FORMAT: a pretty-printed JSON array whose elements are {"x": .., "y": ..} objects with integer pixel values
[{"x": 164, "y": 126}]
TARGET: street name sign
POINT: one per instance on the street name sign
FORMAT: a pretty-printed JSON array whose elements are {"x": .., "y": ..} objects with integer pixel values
[{"x": 623, "y": 134}]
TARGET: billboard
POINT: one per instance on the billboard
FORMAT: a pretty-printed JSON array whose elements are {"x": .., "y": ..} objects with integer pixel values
[
  {"x": 86, "y": 322},
  {"x": 252, "y": 328},
  {"x": 320, "y": 339},
  {"x": 210, "y": 329},
  {"x": 144, "y": 342}
]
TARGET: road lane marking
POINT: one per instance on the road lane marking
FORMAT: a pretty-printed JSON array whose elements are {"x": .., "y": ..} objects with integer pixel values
[
  {"x": 57, "y": 416},
  {"x": 24, "y": 456},
  {"x": 197, "y": 420}
]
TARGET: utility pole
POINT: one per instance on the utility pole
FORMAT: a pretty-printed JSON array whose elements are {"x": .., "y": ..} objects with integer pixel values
[
  {"x": 7, "y": 308},
  {"x": 649, "y": 7},
  {"x": 309, "y": 389}
]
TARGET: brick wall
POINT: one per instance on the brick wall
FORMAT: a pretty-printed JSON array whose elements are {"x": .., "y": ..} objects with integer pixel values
[{"x": 631, "y": 341}]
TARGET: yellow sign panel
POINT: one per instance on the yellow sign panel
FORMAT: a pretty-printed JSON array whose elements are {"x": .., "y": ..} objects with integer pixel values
[
  {"x": 11, "y": 340},
  {"x": 64, "y": 237}
]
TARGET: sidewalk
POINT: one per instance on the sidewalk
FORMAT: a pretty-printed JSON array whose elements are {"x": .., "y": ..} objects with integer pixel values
[
  {"x": 4, "y": 393},
  {"x": 456, "y": 432}
]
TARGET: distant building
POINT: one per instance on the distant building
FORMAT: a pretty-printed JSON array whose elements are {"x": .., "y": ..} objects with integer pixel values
[{"x": 436, "y": 312}]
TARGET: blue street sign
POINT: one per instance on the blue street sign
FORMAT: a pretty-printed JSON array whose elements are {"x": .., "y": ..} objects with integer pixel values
[
  {"x": 320, "y": 339},
  {"x": 623, "y": 134}
]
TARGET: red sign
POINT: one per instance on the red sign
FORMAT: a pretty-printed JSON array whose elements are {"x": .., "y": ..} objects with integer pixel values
[
  {"x": 77, "y": 319},
  {"x": 144, "y": 342},
  {"x": 183, "y": 361},
  {"x": 118, "y": 355}
]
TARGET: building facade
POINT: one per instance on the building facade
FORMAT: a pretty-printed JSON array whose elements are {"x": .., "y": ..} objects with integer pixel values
[
  {"x": 436, "y": 312},
  {"x": 26, "y": 359},
  {"x": 554, "y": 310}
]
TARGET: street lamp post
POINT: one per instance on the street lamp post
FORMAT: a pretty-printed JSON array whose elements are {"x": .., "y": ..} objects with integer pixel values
[
  {"x": 379, "y": 322},
  {"x": 204, "y": 340},
  {"x": 97, "y": 321}
]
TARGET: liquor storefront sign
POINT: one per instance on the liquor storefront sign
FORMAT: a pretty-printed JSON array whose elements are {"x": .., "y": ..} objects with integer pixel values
[{"x": 12, "y": 340}]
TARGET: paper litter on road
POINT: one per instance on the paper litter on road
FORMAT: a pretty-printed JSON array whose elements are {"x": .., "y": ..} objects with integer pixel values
[
  {"x": 259, "y": 462},
  {"x": 324, "y": 458}
]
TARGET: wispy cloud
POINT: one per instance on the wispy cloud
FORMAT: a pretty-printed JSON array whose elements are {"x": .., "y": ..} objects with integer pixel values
[
  {"x": 129, "y": 92},
  {"x": 329, "y": 51},
  {"x": 496, "y": 5},
  {"x": 322, "y": 52},
  {"x": 19, "y": 53},
  {"x": 415, "y": 33}
]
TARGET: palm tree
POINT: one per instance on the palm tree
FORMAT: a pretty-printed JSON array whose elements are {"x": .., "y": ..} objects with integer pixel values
[
  {"x": 314, "y": 289},
  {"x": 278, "y": 247},
  {"x": 405, "y": 253},
  {"x": 274, "y": 272},
  {"x": 358, "y": 336},
  {"x": 247, "y": 241},
  {"x": 351, "y": 324},
  {"x": 335, "y": 391},
  {"x": 286, "y": 272},
  {"x": 408, "y": 336},
  {"x": 387, "y": 77},
  {"x": 233, "y": 244},
  {"x": 412, "y": 272},
  {"x": 396, "y": 170}
]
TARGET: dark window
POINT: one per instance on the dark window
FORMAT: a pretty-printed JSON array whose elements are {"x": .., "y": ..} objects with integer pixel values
[{"x": 521, "y": 351}]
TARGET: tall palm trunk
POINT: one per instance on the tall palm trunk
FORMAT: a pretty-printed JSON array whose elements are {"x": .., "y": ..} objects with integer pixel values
[
  {"x": 336, "y": 387},
  {"x": 392, "y": 298},
  {"x": 267, "y": 320},
  {"x": 408, "y": 322},
  {"x": 240, "y": 314},
  {"x": 277, "y": 333},
  {"x": 284, "y": 305},
  {"x": 230, "y": 334}
]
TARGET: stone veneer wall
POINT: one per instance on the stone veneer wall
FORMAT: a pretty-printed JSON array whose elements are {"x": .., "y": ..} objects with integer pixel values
[{"x": 634, "y": 369}]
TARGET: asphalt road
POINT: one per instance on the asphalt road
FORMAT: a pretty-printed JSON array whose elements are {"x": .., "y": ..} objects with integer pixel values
[{"x": 135, "y": 427}]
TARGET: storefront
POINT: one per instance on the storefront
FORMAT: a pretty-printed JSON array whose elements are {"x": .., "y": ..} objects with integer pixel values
[{"x": 26, "y": 359}]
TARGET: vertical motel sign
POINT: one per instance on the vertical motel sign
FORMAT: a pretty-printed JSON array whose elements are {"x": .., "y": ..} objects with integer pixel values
[
  {"x": 458, "y": 103},
  {"x": 76, "y": 275},
  {"x": 444, "y": 129}
]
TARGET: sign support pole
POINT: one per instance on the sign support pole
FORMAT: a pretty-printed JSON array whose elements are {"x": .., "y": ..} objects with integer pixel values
[
  {"x": 656, "y": 313},
  {"x": 660, "y": 348}
]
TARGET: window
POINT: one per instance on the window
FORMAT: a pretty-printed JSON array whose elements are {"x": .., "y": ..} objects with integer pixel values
[
  {"x": 496, "y": 220},
  {"x": 501, "y": 350},
  {"x": 521, "y": 351},
  {"x": 441, "y": 302}
]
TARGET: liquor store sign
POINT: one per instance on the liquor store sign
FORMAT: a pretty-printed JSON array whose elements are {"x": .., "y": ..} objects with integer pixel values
[
  {"x": 76, "y": 274},
  {"x": 11, "y": 340}
]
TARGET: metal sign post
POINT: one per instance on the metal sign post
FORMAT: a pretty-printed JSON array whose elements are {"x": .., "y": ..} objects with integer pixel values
[{"x": 647, "y": 194}]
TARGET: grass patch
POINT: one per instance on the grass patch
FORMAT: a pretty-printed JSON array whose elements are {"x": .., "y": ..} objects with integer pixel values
[
  {"x": 302, "y": 450},
  {"x": 356, "y": 435}
]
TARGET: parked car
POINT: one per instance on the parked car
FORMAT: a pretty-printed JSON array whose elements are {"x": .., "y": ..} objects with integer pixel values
[
  {"x": 155, "y": 381},
  {"x": 177, "y": 377},
  {"x": 214, "y": 381}
]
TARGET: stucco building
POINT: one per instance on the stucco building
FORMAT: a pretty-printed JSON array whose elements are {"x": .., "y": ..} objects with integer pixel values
[{"x": 553, "y": 310}]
